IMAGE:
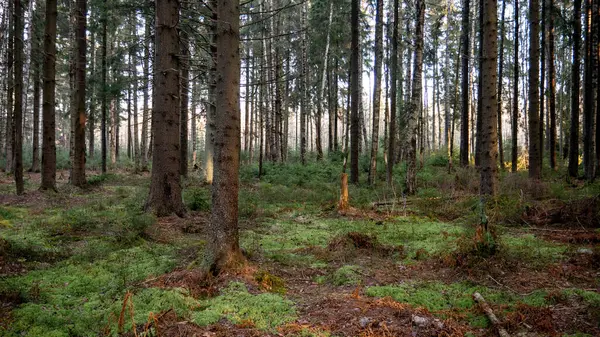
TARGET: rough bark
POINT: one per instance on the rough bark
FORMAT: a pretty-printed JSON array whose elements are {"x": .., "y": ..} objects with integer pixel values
[
  {"x": 48, "y": 105},
  {"x": 464, "y": 120},
  {"x": 18, "y": 112},
  {"x": 393, "y": 96},
  {"x": 146, "y": 111},
  {"x": 184, "y": 98},
  {"x": 551, "y": 85},
  {"x": 223, "y": 250},
  {"x": 489, "y": 104},
  {"x": 588, "y": 97},
  {"x": 209, "y": 133},
  {"x": 415, "y": 102},
  {"x": 376, "y": 90},
  {"x": 515, "y": 107},
  {"x": 534, "y": 96},
  {"x": 575, "y": 80},
  {"x": 36, "y": 65},
  {"x": 165, "y": 187},
  {"x": 78, "y": 165},
  {"x": 355, "y": 101}
]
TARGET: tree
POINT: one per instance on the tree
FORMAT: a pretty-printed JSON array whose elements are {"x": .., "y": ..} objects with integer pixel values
[
  {"x": 465, "y": 50},
  {"x": 376, "y": 90},
  {"x": 165, "y": 187},
  {"x": 48, "y": 105},
  {"x": 393, "y": 95},
  {"x": 515, "y": 108},
  {"x": 500, "y": 79},
  {"x": 415, "y": 101},
  {"x": 103, "y": 84},
  {"x": 588, "y": 96},
  {"x": 183, "y": 117},
  {"x": 223, "y": 248},
  {"x": 551, "y": 84},
  {"x": 489, "y": 122},
  {"x": 535, "y": 159},
  {"x": 78, "y": 165},
  {"x": 574, "y": 132},
  {"x": 18, "y": 111},
  {"x": 355, "y": 88}
]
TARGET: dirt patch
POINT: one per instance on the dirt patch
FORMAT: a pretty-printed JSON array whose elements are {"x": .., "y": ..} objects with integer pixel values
[{"x": 355, "y": 244}]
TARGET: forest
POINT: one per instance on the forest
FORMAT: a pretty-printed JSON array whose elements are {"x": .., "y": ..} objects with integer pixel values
[{"x": 299, "y": 168}]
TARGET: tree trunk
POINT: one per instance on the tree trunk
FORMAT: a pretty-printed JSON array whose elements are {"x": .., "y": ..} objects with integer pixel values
[
  {"x": 303, "y": 89},
  {"x": 489, "y": 118},
  {"x": 542, "y": 81},
  {"x": 184, "y": 96},
  {"x": 588, "y": 98},
  {"x": 48, "y": 103},
  {"x": 91, "y": 90},
  {"x": 535, "y": 158},
  {"x": 165, "y": 188},
  {"x": 36, "y": 65},
  {"x": 515, "y": 107},
  {"x": 551, "y": 84},
  {"x": 415, "y": 103},
  {"x": 574, "y": 132},
  {"x": 321, "y": 90},
  {"x": 146, "y": 112},
  {"x": 355, "y": 101},
  {"x": 464, "y": 120},
  {"x": 223, "y": 250},
  {"x": 209, "y": 134},
  {"x": 10, "y": 138},
  {"x": 104, "y": 84},
  {"x": 18, "y": 112},
  {"x": 393, "y": 96},
  {"x": 500, "y": 79},
  {"x": 376, "y": 90},
  {"x": 78, "y": 168}
]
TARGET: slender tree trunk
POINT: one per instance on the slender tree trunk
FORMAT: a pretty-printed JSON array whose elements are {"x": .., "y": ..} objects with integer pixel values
[
  {"x": 534, "y": 97},
  {"x": 393, "y": 96},
  {"x": 376, "y": 90},
  {"x": 10, "y": 138},
  {"x": 136, "y": 141},
  {"x": 515, "y": 108},
  {"x": 588, "y": 97},
  {"x": 92, "y": 98},
  {"x": 146, "y": 112},
  {"x": 36, "y": 65},
  {"x": 551, "y": 84},
  {"x": 464, "y": 126},
  {"x": 321, "y": 90},
  {"x": 223, "y": 249},
  {"x": 103, "y": 85},
  {"x": 411, "y": 168},
  {"x": 489, "y": 119},
  {"x": 209, "y": 135},
  {"x": 478, "y": 125},
  {"x": 500, "y": 79},
  {"x": 165, "y": 187},
  {"x": 78, "y": 169},
  {"x": 18, "y": 112},
  {"x": 574, "y": 132},
  {"x": 303, "y": 89},
  {"x": 355, "y": 100},
  {"x": 542, "y": 81},
  {"x": 48, "y": 103}
]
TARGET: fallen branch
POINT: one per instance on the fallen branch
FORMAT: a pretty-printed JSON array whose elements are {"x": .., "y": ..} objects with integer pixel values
[{"x": 490, "y": 314}]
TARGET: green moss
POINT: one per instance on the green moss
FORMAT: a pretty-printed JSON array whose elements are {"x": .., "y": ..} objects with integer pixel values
[
  {"x": 346, "y": 275},
  {"x": 265, "y": 311},
  {"x": 532, "y": 249},
  {"x": 591, "y": 298}
]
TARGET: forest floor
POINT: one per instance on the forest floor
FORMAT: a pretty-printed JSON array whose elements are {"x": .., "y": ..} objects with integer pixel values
[{"x": 90, "y": 262}]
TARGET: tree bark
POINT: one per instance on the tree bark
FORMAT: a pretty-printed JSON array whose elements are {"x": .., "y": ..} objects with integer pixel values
[
  {"x": 393, "y": 96},
  {"x": 500, "y": 79},
  {"x": 489, "y": 118},
  {"x": 223, "y": 250},
  {"x": 48, "y": 104},
  {"x": 78, "y": 168},
  {"x": 574, "y": 132},
  {"x": 464, "y": 122},
  {"x": 146, "y": 112},
  {"x": 209, "y": 134},
  {"x": 551, "y": 84},
  {"x": 36, "y": 65},
  {"x": 104, "y": 84},
  {"x": 534, "y": 97},
  {"x": 515, "y": 107},
  {"x": 18, "y": 112},
  {"x": 355, "y": 100},
  {"x": 165, "y": 187},
  {"x": 415, "y": 103},
  {"x": 184, "y": 98},
  {"x": 588, "y": 97},
  {"x": 376, "y": 90}
]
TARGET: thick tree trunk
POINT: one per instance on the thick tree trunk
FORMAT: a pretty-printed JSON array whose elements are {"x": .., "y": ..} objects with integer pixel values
[
  {"x": 184, "y": 98},
  {"x": 9, "y": 134},
  {"x": 376, "y": 90},
  {"x": 465, "y": 50},
  {"x": 535, "y": 158},
  {"x": 78, "y": 168},
  {"x": 588, "y": 97},
  {"x": 165, "y": 188},
  {"x": 574, "y": 132},
  {"x": 415, "y": 103},
  {"x": 223, "y": 250},
  {"x": 489, "y": 118},
  {"x": 48, "y": 103}
]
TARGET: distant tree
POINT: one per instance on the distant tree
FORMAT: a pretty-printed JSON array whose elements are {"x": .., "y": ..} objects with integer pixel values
[
  {"x": 574, "y": 132},
  {"x": 165, "y": 187},
  {"x": 465, "y": 50}
]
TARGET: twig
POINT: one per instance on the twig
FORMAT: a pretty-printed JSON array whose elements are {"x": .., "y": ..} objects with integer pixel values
[{"x": 490, "y": 314}]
